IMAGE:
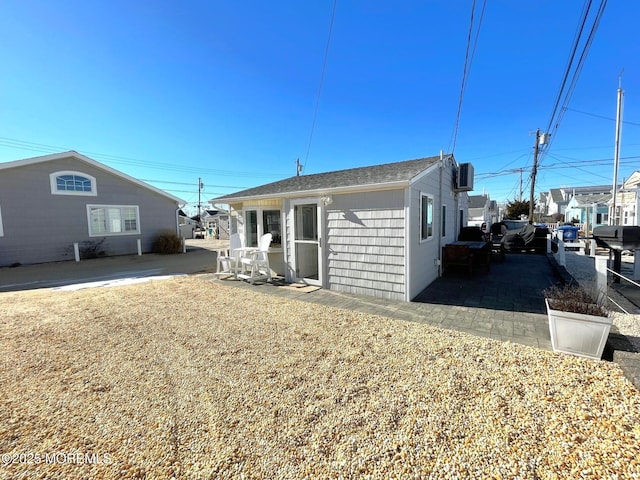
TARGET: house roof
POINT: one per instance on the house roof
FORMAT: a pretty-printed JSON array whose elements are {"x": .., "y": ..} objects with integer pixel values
[
  {"x": 594, "y": 198},
  {"x": 390, "y": 174},
  {"x": 477, "y": 201},
  {"x": 633, "y": 181},
  {"x": 556, "y": 195},
  {"x": 85, "y": 159}
]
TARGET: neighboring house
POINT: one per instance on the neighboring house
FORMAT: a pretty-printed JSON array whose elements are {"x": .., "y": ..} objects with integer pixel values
[
  {"x": 558, "y": 198},
  {"x": 557, "y": 201},
  {"x": 48, "y": 203},
  {"x": 216, "y": 223},
  {"x": 592, "y": 210},
  {"x": 482, "y": 210},
  {"x": 184, "y": 219},
  {"x": 186, "y": 224},
  {"x": 628, "y": 202},
  {"x": 375, "y": 230}
]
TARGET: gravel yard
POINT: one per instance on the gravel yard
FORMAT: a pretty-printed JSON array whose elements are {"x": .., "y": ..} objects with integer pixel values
[{"x": 190, "y": 379}]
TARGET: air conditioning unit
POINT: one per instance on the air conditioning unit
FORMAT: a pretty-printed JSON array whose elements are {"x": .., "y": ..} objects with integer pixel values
[{"x": 464, "y": 178}]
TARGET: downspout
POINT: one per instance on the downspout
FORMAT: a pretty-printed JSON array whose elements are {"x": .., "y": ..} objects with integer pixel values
[
  {"x": 179, "y": 232},
  {"x": 439, "y": 255}
]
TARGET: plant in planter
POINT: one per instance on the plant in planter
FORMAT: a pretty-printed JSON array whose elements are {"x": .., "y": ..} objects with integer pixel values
[{"x": 579, "y": 323}]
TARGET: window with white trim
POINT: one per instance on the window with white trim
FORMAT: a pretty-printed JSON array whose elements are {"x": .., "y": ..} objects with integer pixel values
[
  {"x": 113, "y": 220},
  {"x": 426, "y": 217},
  {"x": 72, "y": 183},
  {"x": 260, "y": 221}
]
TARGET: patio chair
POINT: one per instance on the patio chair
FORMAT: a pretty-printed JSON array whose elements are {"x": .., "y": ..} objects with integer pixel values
[
  {"x": 255, "y": 264},
  {"x": 229, "y": 258}
]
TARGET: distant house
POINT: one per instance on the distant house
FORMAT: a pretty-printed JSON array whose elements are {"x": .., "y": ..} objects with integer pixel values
[
  {"x": 591, "y": 210},
  {"x": 375, "y": 230},
  {"x": 558, "y": 198},
  {"x": 557, "y": 201},
  {"x": 216, "y": 223},
  {"x": 628, "y": 201},
  {"x": 48, "y": 203},
  {"x": 482, "y": 210}
]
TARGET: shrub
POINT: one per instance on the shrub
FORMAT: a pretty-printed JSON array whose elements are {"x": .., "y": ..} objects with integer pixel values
[
  {"x": 167, "y": 242},
  {"x": 573, "y": 298}
]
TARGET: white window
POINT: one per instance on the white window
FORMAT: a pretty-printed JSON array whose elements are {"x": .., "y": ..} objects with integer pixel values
[
  {"x": 258, "y": 222},
  {"x": 113, "y": 220},
  {"x": 73, "y": 183},
  {"x": 1, "y": 230},
  {"x": 426, "y": 217}
]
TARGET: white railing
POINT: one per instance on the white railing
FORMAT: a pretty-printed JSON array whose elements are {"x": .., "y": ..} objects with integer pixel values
[
  {"x": 602, "y": 269},
  {"x": 581, "y": 244}
]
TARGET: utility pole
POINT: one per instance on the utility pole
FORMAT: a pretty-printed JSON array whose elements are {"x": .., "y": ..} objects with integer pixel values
[
  {"x": 541, "y": 139},
  {"x": 534, "y": 170},
  {"x": 520, "y": 197},
  {"x": 200, "y": 187},
  {"x": 298, "y": 167},
  {"x": 616, "y": 155}
]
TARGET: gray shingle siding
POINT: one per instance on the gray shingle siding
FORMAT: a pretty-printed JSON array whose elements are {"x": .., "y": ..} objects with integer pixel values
[
  {"x": 365, "y": 240},
  {"x": 42, "y": 227}
]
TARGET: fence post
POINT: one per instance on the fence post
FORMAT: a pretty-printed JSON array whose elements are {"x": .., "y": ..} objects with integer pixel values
[
  {"x": 139, "y": 248},
  {"x": 76, "y": 251},
  {"x": 601, "y": 275},
  {"x": 561, "y": 255},
  {"x": 548, "y": 243},
  {"x": 592, "y": 248}
]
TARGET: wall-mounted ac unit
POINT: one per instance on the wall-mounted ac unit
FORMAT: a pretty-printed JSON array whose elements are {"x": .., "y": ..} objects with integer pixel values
[{"x": 464, "y": 178}]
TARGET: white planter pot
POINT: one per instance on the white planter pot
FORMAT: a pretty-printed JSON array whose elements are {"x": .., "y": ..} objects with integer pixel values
[{"x": 578, "y": 333}]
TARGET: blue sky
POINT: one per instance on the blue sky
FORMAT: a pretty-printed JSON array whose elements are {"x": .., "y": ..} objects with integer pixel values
[{"x": 171, "y": 91}]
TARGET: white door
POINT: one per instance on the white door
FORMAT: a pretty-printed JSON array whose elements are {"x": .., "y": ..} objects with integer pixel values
[{"x": 307, "y": 238}]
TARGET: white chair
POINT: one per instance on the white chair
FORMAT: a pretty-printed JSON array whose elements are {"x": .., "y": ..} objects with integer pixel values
[
  {"x": 255, "y": 264},
  {"x": 229, "y": 258}
]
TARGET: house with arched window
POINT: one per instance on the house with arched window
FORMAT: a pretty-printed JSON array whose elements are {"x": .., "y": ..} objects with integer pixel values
[{"x": 56, "y": 206}]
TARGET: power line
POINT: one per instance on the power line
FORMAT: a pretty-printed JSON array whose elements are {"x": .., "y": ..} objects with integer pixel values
[
  {"x": 468, "y": 61},
  {"x": 324, "y": 67},
  {"x": 48, "y": 149},
  {"x": 187, "y": 183},
  {"x": 576, "y": 72},
  {"x": 601, "y": 116},
  {"x": 567, "y": 71}
]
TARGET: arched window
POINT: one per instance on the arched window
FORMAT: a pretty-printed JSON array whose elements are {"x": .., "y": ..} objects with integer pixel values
[{"x": 72, "y": 183}]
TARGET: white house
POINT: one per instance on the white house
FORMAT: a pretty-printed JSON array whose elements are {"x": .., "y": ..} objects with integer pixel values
[
  {"x": 375, "y": 230},
  {"x": 482, "y": 210}
]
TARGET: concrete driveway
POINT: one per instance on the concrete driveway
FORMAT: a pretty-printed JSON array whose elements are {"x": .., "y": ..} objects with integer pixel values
[{"x": 199, "y": 258}]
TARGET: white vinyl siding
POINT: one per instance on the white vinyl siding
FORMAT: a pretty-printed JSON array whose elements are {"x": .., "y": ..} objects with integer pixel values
[
  {"x": 113, "y": 220},
  {"x": 73, "y": 183}
]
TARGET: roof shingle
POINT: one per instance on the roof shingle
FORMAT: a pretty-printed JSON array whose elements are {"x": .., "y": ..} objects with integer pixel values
[{"x": 352, "y": 177}]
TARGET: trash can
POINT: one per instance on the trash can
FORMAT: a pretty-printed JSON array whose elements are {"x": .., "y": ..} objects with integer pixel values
[{"x": 569, "y": 232}]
